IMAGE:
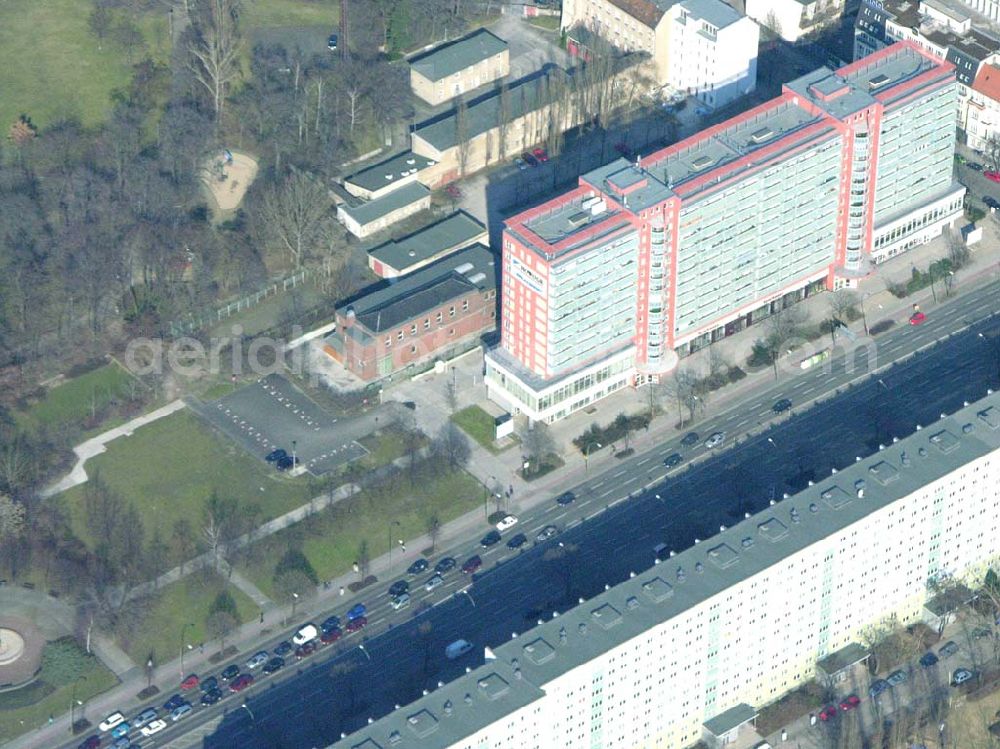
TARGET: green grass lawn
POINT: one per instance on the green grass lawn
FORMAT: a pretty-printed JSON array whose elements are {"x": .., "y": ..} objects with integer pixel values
[
  {"x": 50, "y": 66},
  {"x": 333, "y": 553},
  {"x": 262, "y": 14},
  {"x": 73, "y": 401},
  {"x": 550, "y": 23},
  {"x": 180, "y": 603},
  {"x": 479, "y": 425},
  {"x": 63, "y": 665},
  {"x": 170, "y": 467},
  {"x": 384, "y": 447}
]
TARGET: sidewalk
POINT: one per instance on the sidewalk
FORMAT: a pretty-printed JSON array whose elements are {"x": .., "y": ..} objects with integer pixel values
[{"x": 433, "y": 413}]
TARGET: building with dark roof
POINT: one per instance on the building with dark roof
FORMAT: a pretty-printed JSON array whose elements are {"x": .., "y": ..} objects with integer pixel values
[
  {"x": 388, "y": 175},
  {"x": 398, "y": 257},
  {"x": 687, "y": 649},
  {"x": 459, "y": 66},
  {"x": 438, "y": 309},
  {"x": 369, "y": 217}
]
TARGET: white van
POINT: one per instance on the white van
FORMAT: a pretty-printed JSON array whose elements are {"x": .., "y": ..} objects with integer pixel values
[
  {"x": 457, "y": 649},
  {"x": 306, "y": 633}
]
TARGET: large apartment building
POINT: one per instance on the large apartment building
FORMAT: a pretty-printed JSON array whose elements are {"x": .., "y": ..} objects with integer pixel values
[
  {"x": 606, "y": 285},
  {"x": 703, "y": 47},
  {"x": 689, "y": 648}
]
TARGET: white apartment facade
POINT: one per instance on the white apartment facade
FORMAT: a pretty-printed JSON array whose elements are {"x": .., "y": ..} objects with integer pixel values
[
  {"x": 738, "y": 619},
  {"x": 703, "y": 47},
  {"x": 793, "y": 19}
]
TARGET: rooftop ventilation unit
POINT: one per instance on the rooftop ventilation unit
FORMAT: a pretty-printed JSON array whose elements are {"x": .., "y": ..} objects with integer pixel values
[
  {"x": 759, "y": 136},
  {"x": 878, "y": 81},
  {"x": 578, "y": 219},
  {"x": 702, "y": 162},
  {"x": 464, "y": 268},
  {"x": 477, "y": 278}
]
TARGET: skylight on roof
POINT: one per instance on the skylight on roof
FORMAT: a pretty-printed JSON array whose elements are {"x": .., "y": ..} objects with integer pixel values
[
  {"x": 607, "y": 616},
  {"x": 759, "y": 136},
  {"x": 702, "y": 162},
  {"x": 944, "y": 441},
  {"x": 878, "y": 81},
  {"x": 657, "y": 589}
]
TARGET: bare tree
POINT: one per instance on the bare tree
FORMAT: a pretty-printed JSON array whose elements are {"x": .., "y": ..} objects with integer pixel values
[
  {"x": 992, "y": 150},
  {"x": 503, "y": 122},
  {"x": 296, "y": 214},
  {"x": 453, "y": 446},
  {"x": 843, "y": 302},
  {"x": 219, "y": 625},
  {"x": 218, "y": 521},
  {"x": 771, "y": 21},
  {"x": 538, "y": 445},
  {"x": 364, "y": 558},
  {"x": 215, "y": 45},
  {"x": 433, "y": 525},
  {"x": 184, "y": 541},
  {"x": 958, "y": 250}
]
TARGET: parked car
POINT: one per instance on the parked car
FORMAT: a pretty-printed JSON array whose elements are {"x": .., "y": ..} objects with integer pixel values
[
  {"x": 453, "y": 192},
  {"x": 850, "y": 702},
  {"x": 540, "y": 154},
  {"x": 230, "y": 672},
  {"x": 145, "y": 717},
  {"x": 331, "y": 622},
  {"x": 305, "y": 649},
  {"x": 990, "y": 202},
  {"x": 257, "y": 660},
  {"x": 154, "y": 727},
  {"x": 283, "y": 648},
  {"x": 457, "y": 649},
  {"x": 330, "y": 636},
  {"x": 331, "y": 42},
  {"x": 828, "y": 712},
  {"x": 980, "y": 632},
  {"x": 715, "y": 440},
  {"x": 566, "y": 498},
  {"x": 517, "y": 541},
  {"x": 472, "y": 564},
  {"x": 356, "y": 611},
  {"x": 91, "y": 742},
  {"x": 398, "y": 588},
  {"x": 974, "y": 166},
  {"x": 434, "y": 583},
  {"x": 181, "y": 711},
  {"x": 111, "y": 721},
  {"x": 878, "y": 686},
  {"x": 209, "y": 684},
  {"x": 529, "y": 159},
  {"x": 275, "y": 455},
  {"x": 896, "y": 678},
  {"x": 123, "y": 742},
  {"x": 490, "y": 539},
  {"x": 283, "y": 464},
  {"x": 928, "y": 659},
  {"x": 241, "y": 682},
  {"x": 356, "y": 625},
  {"x": 211, "y": 697},
  {"x": 306, "y": 633},
  {"x": 120, "y": 730},
  {"x": 507, "y": 522},
  {"x": 447, "y": 564},
  {"x": 949, "y": 648},
  {"x": 546, "y": 533},
  {"x": 917, "y": 318},
  {"x": 274, "y": 664},
  {"x": 690, "y": 439},
  {"x": 992, "y": 176},
  {"x": 173, "y": 703},
  {"x": 521, "y": 164},
  {"x": 418, "y": 566},
  {"x": 673, "y": 460},
  {"x": 782, "y": 405},
  {"x": 400, "y": 602},
  {"x": 960, "y": 676}
]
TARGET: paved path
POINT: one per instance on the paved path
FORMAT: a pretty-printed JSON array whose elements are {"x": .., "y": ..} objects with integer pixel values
[
  {"x": 241, "y": 582},
  {"x": 97, "y": 445}
]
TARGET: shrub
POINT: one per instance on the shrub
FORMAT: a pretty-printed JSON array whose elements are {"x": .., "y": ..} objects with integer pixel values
[
  {"x": 897, "y": 289},
  {"x": 880, "y": 327},
  {"x": 735, "y": 374},
  {"x": 760, "y": 355},
  {"x": 294, "y": 559},
  {"x": 225, "y": 603}
]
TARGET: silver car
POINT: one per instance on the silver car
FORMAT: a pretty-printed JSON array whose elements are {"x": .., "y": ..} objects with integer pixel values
[
  {"x": 257, "y": 660},
  {"x": 435, "y": 582},
  {"x": 401, "y": 601},
  {"x": 715, "y": 440}
]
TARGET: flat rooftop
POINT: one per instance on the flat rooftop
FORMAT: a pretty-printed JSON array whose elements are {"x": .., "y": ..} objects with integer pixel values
[
  {"x": 577, "y": 218},
  {"x": 455, "y": 230},
  {"x": 372, "y": 210},
  {"x": 450, "y": 58},
  {"x": 391, "y": 170},
  {"x": 525, "y": 664}
]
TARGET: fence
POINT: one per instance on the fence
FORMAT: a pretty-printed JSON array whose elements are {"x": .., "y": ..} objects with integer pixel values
[{"x": 196, "y": 322}]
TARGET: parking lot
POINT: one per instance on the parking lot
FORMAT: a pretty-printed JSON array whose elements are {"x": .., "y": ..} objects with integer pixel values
[{"x": 272, "y": 413}]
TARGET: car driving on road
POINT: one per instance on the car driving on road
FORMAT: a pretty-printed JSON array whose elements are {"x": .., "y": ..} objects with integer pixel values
[
  {"x": 566, "y": 498},
  {"x": 546, "y": 533},
  {"x": 782, "y": 405},
  {"x": 418, "y": 566},
  {"x": 673, "y": 460},
  {"x": 715, "y": 440},
  {"x": 472, "y": 564},
  {"x": 689, "y": 439},
  {"x": 490, "y": 539},
  {"x": 447, "y": 564},
  {"x": 435, "y": 582},
  {"x": 508, "y": 521}
]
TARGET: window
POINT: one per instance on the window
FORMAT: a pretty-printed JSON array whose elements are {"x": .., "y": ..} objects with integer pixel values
[
  {"x": 465, "y": 305},
  {"x": 439, "y": 318},
  {"x": 413, "y": 329},
  {"x": 427, "y": 323},
  {"x": 399, "y": 335},
  {"x": 388, "y": 341},
  {"x": 451, "y": 311}
]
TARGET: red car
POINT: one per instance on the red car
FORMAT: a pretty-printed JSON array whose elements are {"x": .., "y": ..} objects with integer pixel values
[
  {"x": 540, "y": 154},
  {"x": 331, "y": 635},
  {"x": 849, "y": 703},
  {"x": 917, "y": 318},
  {"x": 828, "y": 712},
  {"x": 472, "y": 564},
  {"x": 453, "y": 192},
  {"x": 91, "y": 742},
  {"x": 190, "y": 682},
  {"x": 356, "y": 625},
  {"x": 241, "y": 682},
  {"x": 305, "y": 649},
  {"x": 995, "y": 176}
]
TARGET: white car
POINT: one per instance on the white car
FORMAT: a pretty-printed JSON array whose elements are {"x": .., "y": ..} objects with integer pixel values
[
  {"x": 307, "y": 633},
  {"x": 111, "y": 721},
  {"x": 155, "y": 727},
  {"x": 715, "y": 440},
  {"x": 961, "y": 676},
  {"x": 507, "y": 522}
]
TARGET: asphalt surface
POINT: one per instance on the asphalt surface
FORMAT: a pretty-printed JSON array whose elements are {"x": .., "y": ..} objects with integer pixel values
[
  {"x": 612, "y": 527},
  {"x": 272, "y": 413}
]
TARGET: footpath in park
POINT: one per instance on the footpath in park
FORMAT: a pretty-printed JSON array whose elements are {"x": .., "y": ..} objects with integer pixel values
[{"x": 983, "y": 268}]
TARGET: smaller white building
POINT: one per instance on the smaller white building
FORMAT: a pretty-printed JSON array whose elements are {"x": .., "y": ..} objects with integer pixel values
[
  {"x": 712, "y": 52},
  {"x": 982, "y": 115},
  {"x": 792, "y": 19}
]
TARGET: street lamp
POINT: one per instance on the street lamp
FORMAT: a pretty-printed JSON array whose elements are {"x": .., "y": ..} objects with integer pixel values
[
  {"x": 252, "y": 716},
  {"x": 295, "y": 601},
  {"x": 183, "y": 630},
  {"x": 586, "y": 454},
  {"x": 73, "y": 702},
  {"x": 486, "y": 495},
  {"x": 294, "y": 460},
  {"x": 772, "y": 442},
  {"x": 362, "y": 648}
]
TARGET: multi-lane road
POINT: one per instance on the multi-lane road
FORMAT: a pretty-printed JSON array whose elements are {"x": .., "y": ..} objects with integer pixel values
[{"x": 613, "y": 526}]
